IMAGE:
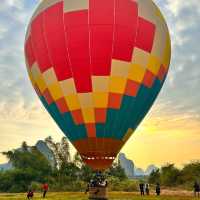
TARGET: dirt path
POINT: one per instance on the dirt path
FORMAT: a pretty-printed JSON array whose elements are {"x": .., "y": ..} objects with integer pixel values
[{"x": 177, "y": 192}]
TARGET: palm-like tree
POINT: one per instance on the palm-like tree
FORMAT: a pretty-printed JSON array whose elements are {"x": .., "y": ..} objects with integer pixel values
[
  {"x": 61, "y": 151},
  {"x": 78, "y": 160}
]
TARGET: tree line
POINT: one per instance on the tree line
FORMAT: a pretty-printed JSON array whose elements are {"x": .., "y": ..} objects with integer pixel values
[
  {"x": 169, "y": 175},
  {"x": 31, "y": 169}
]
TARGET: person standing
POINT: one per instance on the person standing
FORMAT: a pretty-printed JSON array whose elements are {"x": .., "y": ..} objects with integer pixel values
[
  {"x": 147, "y": 189},
  {"x": 158, "y": 189},
  {"x": 196, "y": 189},
  {"x": 141, "y": 189},
  {"x": 45, "y": 188},
  {"x": 88, "y": 188}
]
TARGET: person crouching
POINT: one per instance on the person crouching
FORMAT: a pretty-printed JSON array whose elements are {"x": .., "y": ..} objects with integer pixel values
[{"x": 30, "y": 194}]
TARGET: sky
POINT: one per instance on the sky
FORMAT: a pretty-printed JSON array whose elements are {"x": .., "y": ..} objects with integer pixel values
[{"x": 170, "y": 133}]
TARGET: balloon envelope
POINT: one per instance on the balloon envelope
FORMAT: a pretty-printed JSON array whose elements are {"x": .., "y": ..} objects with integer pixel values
[{"x": 97, "y": 66}]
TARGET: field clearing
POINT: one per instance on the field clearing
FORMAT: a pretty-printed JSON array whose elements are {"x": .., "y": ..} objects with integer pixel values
[{"x": 167, "y": 195}]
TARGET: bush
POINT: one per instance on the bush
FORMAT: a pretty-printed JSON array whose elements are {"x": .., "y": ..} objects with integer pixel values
[
  {"x": 154, "y": 177},
  {"x": 169, "y": 175},
  {"x": 16, "y": 189},
  {"x": 36, "y": 186},
  {"x": 75, "y": 186},
  {"x": 127, "y": 185},
  {"x": 15, "y": 180}
]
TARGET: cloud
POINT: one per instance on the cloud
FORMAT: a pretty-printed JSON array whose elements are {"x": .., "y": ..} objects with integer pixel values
[
  {"x": 177, "y": 6},
  {"x": 13, "y": 76},
  {"x": 183, "y": 80}
]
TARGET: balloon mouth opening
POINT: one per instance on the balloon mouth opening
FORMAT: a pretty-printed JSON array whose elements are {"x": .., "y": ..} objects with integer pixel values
[
  {"x": 98, "y": 157},
  {"x": 98, "y": 162},
  {"x": 98, "y": 153}
]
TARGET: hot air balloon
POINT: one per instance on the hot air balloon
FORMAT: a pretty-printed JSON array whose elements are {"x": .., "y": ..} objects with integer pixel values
[{"x": 97, "y": 67}]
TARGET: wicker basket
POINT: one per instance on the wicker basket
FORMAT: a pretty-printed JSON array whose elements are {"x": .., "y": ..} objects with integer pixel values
[{"x": 98, "y": 193}]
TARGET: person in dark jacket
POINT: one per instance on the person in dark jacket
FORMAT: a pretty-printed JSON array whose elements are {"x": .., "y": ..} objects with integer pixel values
[
  {"x": 141, "y": 189},
  {"x": 147, "y": 188},
  {"x": 158, "y": 189},
  {"x": 196, "y": 189}
]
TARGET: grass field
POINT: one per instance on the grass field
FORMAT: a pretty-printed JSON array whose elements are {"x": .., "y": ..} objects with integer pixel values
[{"x": 81, "y": 196}]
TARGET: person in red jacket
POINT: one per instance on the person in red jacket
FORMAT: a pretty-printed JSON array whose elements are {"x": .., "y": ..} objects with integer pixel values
[
  {"x": 30, "y": 194},
  {"x": 45, "y": 188}
]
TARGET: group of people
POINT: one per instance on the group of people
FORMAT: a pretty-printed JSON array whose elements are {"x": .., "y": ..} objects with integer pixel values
[
  {"x": 144, "y": 189},
  {"x": 196, "y": 189},
  {"x": 100, "y": 181},
  {"x": 45, "y": 188},
  {"x": 97, "y": 182}
]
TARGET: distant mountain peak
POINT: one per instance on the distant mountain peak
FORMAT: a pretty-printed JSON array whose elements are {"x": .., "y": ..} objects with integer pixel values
[
  {"x": 150, "y": 169},
  {"x": 127, "y": 165},
  {"x": 131, "y": 170},
  {"x": 42, "y": 147},
  {"x": 46, "y": 151}
]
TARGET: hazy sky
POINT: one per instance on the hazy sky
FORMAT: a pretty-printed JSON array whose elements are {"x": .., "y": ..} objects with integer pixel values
[{"x": 170, "y": 132}]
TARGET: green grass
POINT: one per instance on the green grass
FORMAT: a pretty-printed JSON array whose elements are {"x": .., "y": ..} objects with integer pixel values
[{"x": 81, "y": 196}]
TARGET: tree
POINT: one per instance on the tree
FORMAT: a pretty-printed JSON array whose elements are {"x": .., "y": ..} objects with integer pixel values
[
  {"x": 116, "y": 171},
  {"x": 77, "y": 160},
  {"x": 16, "y": 180},
  {"x": 190, "y": 173},
  {"x": 86, "y": 173},
  {"x": 61, "y": 151},
  {"x": 9, "y": 155},
  {"x": 29, "y": 165},
  {"x": 154, "y": 177},
  {"x": 24, "y": 146},
  {"x": 169, "y": 175},
  {"x": 31, "y": 161}
]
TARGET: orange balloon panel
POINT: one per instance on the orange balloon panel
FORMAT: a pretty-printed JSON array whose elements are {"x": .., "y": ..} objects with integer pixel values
[{"x": 97, "y": 66}]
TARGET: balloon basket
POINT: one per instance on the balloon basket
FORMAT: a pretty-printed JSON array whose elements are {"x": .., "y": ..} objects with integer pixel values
[{"x": 98, "y": 193}]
